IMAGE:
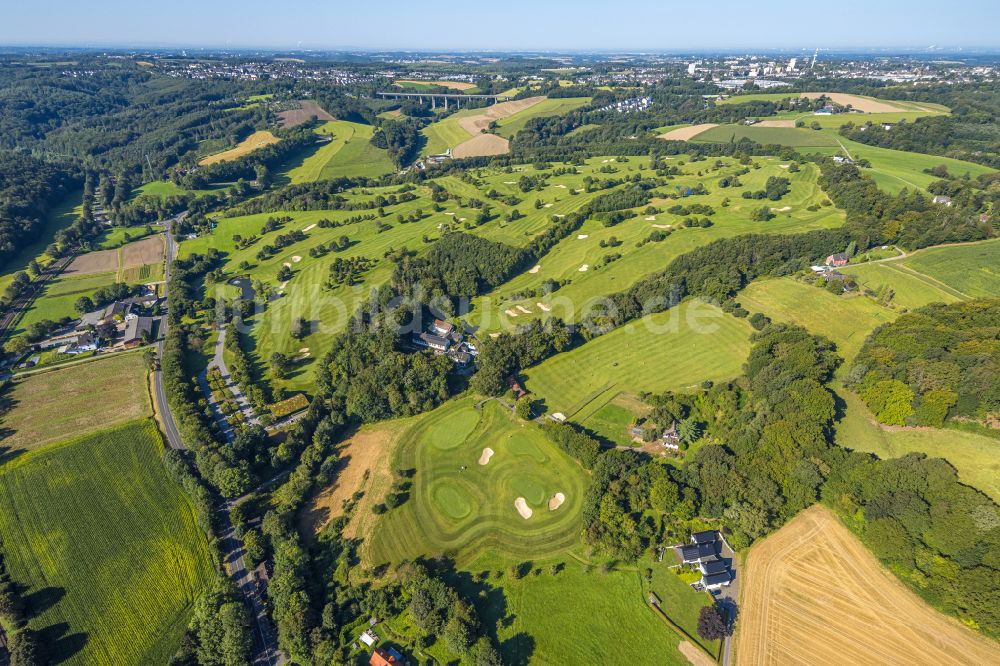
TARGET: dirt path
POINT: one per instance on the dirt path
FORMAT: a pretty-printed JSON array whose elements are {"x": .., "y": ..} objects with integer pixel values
[{"x": 813, "y": 594}]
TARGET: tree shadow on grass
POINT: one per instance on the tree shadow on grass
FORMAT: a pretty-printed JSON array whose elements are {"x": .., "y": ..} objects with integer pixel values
[
  {"x": 518, "y": 649},
  {"x": 58, "y": 644}
]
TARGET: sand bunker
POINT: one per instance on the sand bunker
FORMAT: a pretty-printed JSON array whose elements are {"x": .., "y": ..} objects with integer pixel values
[
  {"x": 522, "y": 508},
  {"x": 556, "y": 501},
  {"x": 783, "y": 209},
  {"x": 487, "y": 454},
  {"x": 686, "y": 133},
  {"x": 776, "y": 123},
  {"x": 651, "y": 218},
  {"x": 304, "y": 350},
  {"x": 286, "y": 265},
  {"x": 523, "y": 309},
  {"x": 511, "y": 313},
  {"x": 661, "y": 226},
  {"x": 584, "y": 268},
  {"x": 482, "y": 146},
  {"x": 543, "y": 307},
  {"x": 548, "y": 205},
  {"x": 508, "y": 182},
  {"x": 296, "y": 259},
  {"x": 310, "y": 227},
  {"x": 582, "y": 236},
  {"x": 535, "y": 268}
]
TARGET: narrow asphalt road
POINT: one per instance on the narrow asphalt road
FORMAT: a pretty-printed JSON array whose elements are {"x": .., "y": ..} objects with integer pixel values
[
  {"x": 162, "y": 408},
  {"x": 265, "y": 642}
]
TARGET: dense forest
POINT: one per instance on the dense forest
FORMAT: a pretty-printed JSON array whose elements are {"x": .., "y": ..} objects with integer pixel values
[
  {"x": 29, "y": 188},
  {"x": 937, "y": 363}
]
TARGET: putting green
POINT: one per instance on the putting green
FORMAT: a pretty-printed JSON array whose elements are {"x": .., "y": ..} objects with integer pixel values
[
  {"x": 453, "y": 430},
  {"x": 452, "y": 500},
  {"x": 460, "y": 507}
]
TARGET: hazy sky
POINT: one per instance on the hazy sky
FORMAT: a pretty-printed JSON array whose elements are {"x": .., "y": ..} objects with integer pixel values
[{"x": 507, "y": 24}]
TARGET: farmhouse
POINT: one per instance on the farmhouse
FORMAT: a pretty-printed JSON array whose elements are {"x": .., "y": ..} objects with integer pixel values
[
  {"x": 137, "y": 331},
  {"x": 837, "y": 260},
  {"x": 715, "y": 581},
  {"x": 85, "y": 342},
  {"x": 695, "y": 553},
  {"x": 431, "y": 341},
  {"x": 442, "y": 328},
  {"x": 386, "y": 656}
]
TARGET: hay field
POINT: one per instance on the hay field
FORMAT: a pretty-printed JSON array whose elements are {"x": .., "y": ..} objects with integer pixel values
[
  {"x": 365, "y": 466},
  {"x": 671, "y": 350},
  {"x": 482, "y": 145},
  {"x": 811, "y": 593},
  {"x": 859, "y": 102},
  {"x": 457, "y": 505},
  {"x": 256, "y": 140},
  {"x": 51, "y": 406},
  {"x": 477, "y": 123},
  {"x": 305, "y": 111},
  {"x": 686, "y": 133},
  {"x": 454, "y": 85},
  {"x": 106, "y": 545},
  {"x": 101, "y": 261}
]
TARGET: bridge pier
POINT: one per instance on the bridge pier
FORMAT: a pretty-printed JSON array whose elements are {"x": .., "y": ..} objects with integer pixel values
[{"x": 433, "y": 102}]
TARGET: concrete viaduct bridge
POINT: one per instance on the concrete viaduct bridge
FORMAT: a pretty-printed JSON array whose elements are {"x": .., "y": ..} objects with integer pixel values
[{"x": 434, "y": 97}]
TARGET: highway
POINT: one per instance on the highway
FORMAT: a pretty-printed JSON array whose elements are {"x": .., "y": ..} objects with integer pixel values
[{"x": 265, "y": 643}]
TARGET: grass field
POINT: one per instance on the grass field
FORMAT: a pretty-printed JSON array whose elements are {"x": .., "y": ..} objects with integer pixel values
[
  {"x": 786, "y": 136},
  {"x": 166, "y": 188},
  {"x": 349, "y": 153},
  {"x": 576, "y": 260},
  {"x": 846, "y": 320},
  {"x": 973, "y": 270},
  {"x": 57, "y": 297},
  {"x": 894, "y": 170},
  {"x": 446, "y": 133},
  {"x": 329, "y": 309},
  {"x": 558, "y": 106},
  {"x": 613, "y": 419},
  {"x": 106, "y": 545},
  {"x": 599, "y": 618},
  {"x": 460, "y": 506},
  {"x": 63, "y": 214},
  {"x": 976, "y": 457},
  {"x": 52, "y": 406},
  {"x": 672, "y": 350},
  {"x": 256, "y": 140},
  {"x": 858, "y": 101},
  {"x": 812, "y": 593},
  {"x": 910, "y": 289}
]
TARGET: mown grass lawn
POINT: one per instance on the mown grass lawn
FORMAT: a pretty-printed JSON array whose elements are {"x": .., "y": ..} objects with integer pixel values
[
  {"x": 459, "y": 506},
  {"x": 58, "y": 297},
  {"x": 105, "y": 545},
  {"x": 557, "y": 106},
  {"x": 672, "y": 350},
  {"x": 846, "y": 320}
]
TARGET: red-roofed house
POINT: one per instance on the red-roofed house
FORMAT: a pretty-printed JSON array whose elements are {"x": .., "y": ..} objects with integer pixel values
[{"x": 385, "y": 657}]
